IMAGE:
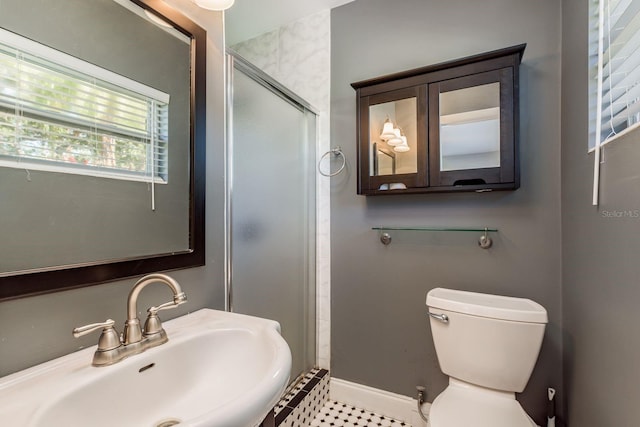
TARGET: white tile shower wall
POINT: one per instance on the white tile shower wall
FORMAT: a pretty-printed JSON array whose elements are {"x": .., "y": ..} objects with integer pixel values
[{"x": 298, "y": 56}]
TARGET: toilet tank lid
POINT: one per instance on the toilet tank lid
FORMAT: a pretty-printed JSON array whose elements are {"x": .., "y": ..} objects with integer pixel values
[{"x": 487, "y": 305}]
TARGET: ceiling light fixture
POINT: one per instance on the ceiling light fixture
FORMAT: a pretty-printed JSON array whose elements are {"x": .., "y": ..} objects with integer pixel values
[{"x": 214, "y": 4}]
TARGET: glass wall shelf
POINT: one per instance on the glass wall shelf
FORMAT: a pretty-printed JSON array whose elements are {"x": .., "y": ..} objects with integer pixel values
[
  {"x": 484, "y": 242},
  {"x": 414, "y": 228}
]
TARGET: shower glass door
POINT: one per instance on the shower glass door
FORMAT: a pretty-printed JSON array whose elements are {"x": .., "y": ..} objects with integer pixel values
[{"x": 272, "y": 208}]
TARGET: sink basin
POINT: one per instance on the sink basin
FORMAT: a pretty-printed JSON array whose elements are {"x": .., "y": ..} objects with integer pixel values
[{"x": 218, "y": 369}]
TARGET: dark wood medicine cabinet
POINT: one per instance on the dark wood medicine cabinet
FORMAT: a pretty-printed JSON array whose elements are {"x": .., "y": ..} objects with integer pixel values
[{"x": 441, "y": 128}]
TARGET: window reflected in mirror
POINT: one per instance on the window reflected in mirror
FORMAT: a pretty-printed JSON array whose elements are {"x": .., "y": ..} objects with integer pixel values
[
  {"x": 470, "y": 128},
  {"x": 393, "y": 137}
]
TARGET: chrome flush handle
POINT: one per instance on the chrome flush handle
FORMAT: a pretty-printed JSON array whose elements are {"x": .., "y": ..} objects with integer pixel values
[{"x": 441, "y": 317}]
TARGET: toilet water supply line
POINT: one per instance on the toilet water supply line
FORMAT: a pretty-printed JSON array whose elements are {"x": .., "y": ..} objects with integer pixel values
[
  {"x": 551, "y": 409},
  {"x": 420, "y": 402}
]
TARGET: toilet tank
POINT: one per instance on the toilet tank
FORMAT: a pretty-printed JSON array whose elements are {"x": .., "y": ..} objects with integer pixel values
[{"x": 488, "y": 340}]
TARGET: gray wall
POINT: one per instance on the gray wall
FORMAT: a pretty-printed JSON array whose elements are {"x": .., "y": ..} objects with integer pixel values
[
  {"x": 600, "y": 248},
  {"x": 380, "y": 332},
  {"x": 36, "y": 329}
]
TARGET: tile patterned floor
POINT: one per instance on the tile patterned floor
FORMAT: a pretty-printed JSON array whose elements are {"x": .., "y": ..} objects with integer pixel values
[{"x": 343, "y": 415}]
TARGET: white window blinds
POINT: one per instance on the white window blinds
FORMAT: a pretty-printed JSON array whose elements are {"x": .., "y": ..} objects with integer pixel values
[
  {"x": 615, "y": 73},
  {"x": 63, "y": 114}
]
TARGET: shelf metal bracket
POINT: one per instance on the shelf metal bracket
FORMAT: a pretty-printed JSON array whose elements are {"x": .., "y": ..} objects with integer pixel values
[
  {"x": 485, "y": 241},
  {"x": 385, "y": 238}
]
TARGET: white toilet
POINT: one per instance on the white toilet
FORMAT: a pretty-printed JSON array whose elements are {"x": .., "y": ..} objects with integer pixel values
[{"x": 488, "y": 346}]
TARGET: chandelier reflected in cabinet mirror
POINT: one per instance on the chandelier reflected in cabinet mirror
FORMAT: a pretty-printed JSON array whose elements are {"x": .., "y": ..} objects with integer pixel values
[{"x": 393, "y": 137}]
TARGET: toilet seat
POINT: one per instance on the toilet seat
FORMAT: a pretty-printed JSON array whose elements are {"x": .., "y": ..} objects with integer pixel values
[{"x": 466, "y": 405}]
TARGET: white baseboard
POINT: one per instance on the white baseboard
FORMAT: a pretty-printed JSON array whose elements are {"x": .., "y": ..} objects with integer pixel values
[{"x": 402, "y": 408}]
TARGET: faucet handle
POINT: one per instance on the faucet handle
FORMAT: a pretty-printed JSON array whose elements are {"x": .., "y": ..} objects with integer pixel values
[
  {"x": 153, "y": 325},
  {"x": 86, "y": 329},
  {"x": 109, "y": 339},
  {"x": 181, "y": 298},
  {"x": 152, "y": 311}
]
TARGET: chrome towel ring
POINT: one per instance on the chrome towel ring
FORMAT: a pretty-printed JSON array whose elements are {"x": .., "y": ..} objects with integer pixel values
[{"x": 336, "y": 151}]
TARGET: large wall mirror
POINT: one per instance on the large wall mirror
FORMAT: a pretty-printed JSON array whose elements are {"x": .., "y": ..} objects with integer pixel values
[{"x": 102, "y": 142}]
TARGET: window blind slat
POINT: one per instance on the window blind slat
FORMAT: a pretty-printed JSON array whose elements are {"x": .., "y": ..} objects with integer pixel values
[
  {"x": 623, "y": 93},
  {"x": 622, "y": 48},
  {"x": 621, "y": 96},
  {"x": 618, "y": 15},
  {"x": 84, "y": 121}
]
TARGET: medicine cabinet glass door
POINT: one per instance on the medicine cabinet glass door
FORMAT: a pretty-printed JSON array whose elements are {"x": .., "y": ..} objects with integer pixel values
[
  {"x": 471, "y": 134},
  {"x": 393, "y": 123}
]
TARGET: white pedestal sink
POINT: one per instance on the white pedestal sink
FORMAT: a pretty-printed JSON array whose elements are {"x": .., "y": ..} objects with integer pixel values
[{"x": 217, "y": 370}]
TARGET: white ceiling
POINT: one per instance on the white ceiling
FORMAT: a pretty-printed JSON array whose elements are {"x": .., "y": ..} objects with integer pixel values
[{"x": 249, "y": 18}]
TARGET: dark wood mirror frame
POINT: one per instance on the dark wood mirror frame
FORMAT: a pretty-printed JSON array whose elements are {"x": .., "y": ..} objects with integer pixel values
[{"x": 28, "y": 283}]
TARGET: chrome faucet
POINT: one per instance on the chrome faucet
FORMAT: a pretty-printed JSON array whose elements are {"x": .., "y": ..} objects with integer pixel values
[{"x": 111, "y": 347}]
